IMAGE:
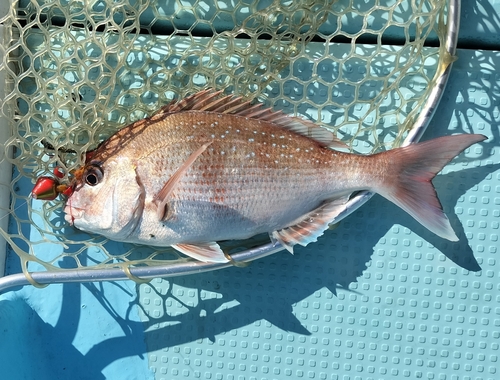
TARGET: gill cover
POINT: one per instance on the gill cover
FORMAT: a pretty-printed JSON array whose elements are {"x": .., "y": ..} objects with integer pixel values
[{"x": 108, "y": 199}]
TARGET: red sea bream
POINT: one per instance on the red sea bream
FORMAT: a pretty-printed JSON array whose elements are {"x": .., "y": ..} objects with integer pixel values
[{"x": 214, "y": 167}]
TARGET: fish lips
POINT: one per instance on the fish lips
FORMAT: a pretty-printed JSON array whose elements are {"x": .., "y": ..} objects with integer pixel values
[{"x": 72, "y": 213}]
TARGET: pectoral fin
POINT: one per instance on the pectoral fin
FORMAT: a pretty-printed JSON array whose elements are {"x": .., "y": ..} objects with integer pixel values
[
  {"x": 311, "y": 226},
  {"x": 161, "y": 199},
  {"x": 207, "y": 252}
]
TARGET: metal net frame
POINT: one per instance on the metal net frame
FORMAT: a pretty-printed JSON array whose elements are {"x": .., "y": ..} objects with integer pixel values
[{"x": 75, "y": 71}]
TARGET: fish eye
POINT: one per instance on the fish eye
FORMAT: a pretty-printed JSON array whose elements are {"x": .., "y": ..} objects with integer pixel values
[{"x": 93, "y": 175}]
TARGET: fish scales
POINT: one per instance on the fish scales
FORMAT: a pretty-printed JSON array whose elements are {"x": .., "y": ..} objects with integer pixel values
[
  {"x": 251, "y": 167},
  {"x": 214, "y": 167}
]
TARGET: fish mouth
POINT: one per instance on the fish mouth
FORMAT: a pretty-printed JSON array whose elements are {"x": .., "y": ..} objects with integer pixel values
[{"x": 72, "y": 213}]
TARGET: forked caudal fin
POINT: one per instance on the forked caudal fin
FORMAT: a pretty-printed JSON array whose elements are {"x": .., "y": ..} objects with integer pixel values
[{"x": 409, "y": 174}]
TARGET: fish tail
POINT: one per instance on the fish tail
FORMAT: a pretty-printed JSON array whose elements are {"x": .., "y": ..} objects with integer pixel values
[{"x": 408, "y": 175}]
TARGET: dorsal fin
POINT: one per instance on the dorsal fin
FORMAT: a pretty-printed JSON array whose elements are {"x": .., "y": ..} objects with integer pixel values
[{"x": 216, "y": 101}]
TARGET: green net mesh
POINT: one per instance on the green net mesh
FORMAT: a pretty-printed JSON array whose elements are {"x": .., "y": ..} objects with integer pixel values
[{"x": 75, "y": 71}]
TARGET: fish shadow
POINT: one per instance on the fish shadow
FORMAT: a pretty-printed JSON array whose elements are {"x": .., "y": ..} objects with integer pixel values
[
  {"x": 51, "y": 349},
  {"x": 25, "y": 337},
  {"x": 478, "y": 17}
]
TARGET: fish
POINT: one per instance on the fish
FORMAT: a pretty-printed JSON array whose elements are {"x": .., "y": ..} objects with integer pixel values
[{"x": 215, "y": 167}]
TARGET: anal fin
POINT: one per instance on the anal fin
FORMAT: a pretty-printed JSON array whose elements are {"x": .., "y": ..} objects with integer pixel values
[
  {"x": 311, "y": 226},
  {"x": 207, "y": 252}
]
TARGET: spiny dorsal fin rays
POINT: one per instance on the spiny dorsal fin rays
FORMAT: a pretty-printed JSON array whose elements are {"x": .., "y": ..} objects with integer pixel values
[
  {"x": 192, "y": 102},
  {"x": 207, "y": 103},
  {"x": 255, "y": 111},
  {"x": 226, "y": 106},
  {"x": 218, "y": 105},
  {"x": 238, "y": 108},
  {"x": 210, "y": 101}
]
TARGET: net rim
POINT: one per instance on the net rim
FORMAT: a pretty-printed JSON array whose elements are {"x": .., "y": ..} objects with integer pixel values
[{"x": 194, "y": 267}]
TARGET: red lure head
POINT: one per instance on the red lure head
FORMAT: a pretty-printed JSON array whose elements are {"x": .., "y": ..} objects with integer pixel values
[
  {"x": 58, "y": 172},
  {"x": 45, "y": 188},
  {"x": 48, "y": 188}
]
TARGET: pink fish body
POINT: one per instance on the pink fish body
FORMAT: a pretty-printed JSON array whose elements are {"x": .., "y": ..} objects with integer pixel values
[{"x": 213, "y": 167}]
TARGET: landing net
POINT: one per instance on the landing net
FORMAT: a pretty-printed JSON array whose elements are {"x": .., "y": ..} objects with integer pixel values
[{"x": 76, "y": 71}]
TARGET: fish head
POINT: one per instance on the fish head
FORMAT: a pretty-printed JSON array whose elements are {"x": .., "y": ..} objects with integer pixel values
[{"x": 107, "y": 198}]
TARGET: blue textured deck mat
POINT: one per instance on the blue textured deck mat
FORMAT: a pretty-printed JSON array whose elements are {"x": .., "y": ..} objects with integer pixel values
[
  {"x": 72, "y": 331},
  {"x": 379, "y": 297}
]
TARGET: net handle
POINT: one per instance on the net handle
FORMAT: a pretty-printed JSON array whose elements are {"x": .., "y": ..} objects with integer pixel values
[{"x": 195, "y": 267}]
